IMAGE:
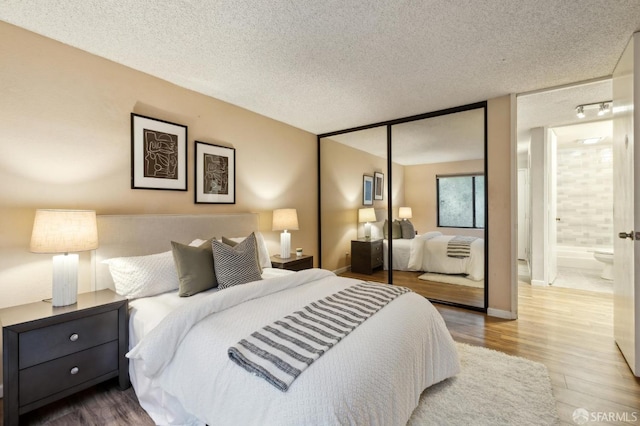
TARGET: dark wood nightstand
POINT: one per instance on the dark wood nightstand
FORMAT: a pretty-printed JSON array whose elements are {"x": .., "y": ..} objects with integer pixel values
[
  {"x": 52, "y": 352},
  {"x": 294, "y": 263},
  {"x": 366, "y": 256}
]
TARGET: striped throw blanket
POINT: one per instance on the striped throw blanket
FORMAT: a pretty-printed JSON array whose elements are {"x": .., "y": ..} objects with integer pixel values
[
  {"x": 281, "y": 351},
  {"x": 460, "y": 246}
]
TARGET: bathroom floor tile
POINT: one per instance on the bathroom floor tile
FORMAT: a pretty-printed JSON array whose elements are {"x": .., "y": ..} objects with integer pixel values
[{"x": 581, "y": 279}]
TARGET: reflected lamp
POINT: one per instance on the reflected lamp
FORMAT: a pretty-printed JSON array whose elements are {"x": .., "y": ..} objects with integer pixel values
[
  {"x": 64, "y": 232},
  {"x": 366, "y": 216},
  {"x": 404, "y": 213},
  {"x": 285, "y": 220}
]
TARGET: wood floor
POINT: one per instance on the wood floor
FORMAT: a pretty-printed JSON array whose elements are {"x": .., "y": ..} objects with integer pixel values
[
  {"x": 570, "y": 331},
  {"x": 431, "y": 289}
]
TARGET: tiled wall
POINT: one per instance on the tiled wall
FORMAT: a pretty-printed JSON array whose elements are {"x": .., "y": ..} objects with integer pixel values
[{"x": 585, "y": 196}]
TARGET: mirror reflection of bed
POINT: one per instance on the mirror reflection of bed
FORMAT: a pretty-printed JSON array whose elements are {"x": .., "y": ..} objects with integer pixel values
[
  {"x": 464, "y": 284},
  {"x": 424, "y": 151}
]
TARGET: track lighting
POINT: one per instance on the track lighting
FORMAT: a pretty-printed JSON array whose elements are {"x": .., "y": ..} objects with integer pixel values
[{"x": 603, "y": 108}]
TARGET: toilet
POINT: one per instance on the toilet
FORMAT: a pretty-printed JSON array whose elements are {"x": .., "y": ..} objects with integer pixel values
[{"x": 605, "y": 256}]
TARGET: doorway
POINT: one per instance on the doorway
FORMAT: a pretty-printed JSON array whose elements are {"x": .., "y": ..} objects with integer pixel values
[{"x": 565, "y": 186}]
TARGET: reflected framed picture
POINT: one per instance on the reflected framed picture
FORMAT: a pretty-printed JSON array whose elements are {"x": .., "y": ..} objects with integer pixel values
[
  {"x": 378, "y": 186},
  {"x": 367, "y": 190},
  {"x": 215, "y": 173},
  {"x": 158, "y": 154}
]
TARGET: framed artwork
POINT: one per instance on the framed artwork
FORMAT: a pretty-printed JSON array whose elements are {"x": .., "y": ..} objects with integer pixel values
[
  {"x": 367, "y": 190},
  {"x": 215, "y": 167},
  {"x": 378, "y": 187},
  {"x": 158, "y": 154}
]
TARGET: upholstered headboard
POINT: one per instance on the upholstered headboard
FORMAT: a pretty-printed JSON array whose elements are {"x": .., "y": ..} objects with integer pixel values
[{"x": 138, "y": 235}]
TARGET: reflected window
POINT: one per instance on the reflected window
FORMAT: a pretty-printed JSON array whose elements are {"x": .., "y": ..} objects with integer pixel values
[{"x": 461, "y": 201}]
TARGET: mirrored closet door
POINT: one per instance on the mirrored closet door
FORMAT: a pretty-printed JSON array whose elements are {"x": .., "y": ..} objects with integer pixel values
[
  {"x": 354, "y": 195},
  {"x": 412, "y": 189}
]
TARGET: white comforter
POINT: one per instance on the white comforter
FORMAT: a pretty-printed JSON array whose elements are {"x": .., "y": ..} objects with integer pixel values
[
  {"x": 374, "y": 376},
  {"x": 429, "y": 254}
]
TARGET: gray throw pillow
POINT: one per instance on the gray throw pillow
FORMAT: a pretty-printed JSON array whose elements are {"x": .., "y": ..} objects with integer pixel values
[
  {"x": 195, "y": 268},
  {"x": 408, "y": 231},
  {"x": 236, "y": 265},
  {"x": 233, "y": 243},
  {"x": 396, "y": 231}
]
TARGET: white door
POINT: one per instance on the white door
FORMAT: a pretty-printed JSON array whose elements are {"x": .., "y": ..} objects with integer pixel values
[
  {"x": 552, "y": 170},
  {"x": 626, "y": 204}
]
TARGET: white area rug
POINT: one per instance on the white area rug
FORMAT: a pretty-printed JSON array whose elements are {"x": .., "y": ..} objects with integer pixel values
[
  {"x": 493, "y": 388},
  {"x": 451, "y": 279}
]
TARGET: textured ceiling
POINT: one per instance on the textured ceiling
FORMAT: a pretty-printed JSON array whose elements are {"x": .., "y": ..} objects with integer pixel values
[
  {"x": 446, "y": 138},
  {"x": 328, "y": 65}
]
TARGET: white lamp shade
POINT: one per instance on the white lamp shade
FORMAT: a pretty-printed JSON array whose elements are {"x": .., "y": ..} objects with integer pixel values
[
  {"x": 404, "y": 213},
  {"x": 285, "y": 219},
  {"x": 366, "y": 215},
  {"x": 64, "y": 231}
]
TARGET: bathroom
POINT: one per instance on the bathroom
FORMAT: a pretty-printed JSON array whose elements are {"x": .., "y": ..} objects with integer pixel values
[{"x": 584, "y": 191}]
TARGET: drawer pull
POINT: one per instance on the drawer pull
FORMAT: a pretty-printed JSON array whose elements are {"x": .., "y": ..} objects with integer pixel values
[
  {"x": 74, "y": 337},
  {"x": 74, "y": 370}
]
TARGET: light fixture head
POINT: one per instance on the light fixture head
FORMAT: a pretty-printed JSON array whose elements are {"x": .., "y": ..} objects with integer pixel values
[
  {"x": 604, "y": 108},
  {"x": 580, "y": 111}
]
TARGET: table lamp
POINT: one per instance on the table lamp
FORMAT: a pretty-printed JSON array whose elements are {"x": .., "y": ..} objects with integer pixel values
[
  {"x": 64, "y": 231},
  {"x": 366, "y": 216},
  {"x": 404, "y": 213},
  {"x": 283, "y": 220}
]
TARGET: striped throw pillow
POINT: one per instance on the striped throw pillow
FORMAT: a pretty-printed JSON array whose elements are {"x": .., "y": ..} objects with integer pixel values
[{"x": 236, "y": 265}]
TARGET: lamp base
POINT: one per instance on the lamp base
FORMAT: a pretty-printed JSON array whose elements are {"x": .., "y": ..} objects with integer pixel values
[
  {"x": 367, "y": 231},
  {"x": 65, "y": 280},
  {"x": 285, "y": 245}
]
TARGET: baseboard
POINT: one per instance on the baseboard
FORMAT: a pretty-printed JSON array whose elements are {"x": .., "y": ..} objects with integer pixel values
[
  {"x": 501, "y": 314},
  {"x": 538, "y": 282},
  {"x": 342, "y": 270}
]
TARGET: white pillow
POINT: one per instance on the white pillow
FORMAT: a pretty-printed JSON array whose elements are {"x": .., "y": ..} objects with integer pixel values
[
  {"x": 263, "y": 253},
  {"x": 143, "y": 276},
  {"x": 429, "y": 235}
]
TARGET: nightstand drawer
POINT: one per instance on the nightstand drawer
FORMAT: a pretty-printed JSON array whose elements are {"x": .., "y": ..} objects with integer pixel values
[
  {"x": 61, "y": 373},
  {"x": 55, "y": 341},
  {"x": 376, "y": 254}
]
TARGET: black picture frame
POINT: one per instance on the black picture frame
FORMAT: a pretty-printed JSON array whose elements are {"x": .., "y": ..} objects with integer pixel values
[
  {"x": 158, "y": 154},
  {"x": 378, "y": 187},
  {"x": 367, "y": 190},
  {"x": 215, "y": 174}
]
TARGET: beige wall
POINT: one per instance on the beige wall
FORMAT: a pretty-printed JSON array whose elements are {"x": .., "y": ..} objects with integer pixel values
[
  {"x": 421, "y": 194},
  {"x": 342, "y": 168},
  {"x": 65, "y": 139}
]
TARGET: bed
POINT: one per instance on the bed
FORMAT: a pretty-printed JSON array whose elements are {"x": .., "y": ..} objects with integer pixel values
[
  {"x": 428, "y": 252},
  {"x": 179, "y": 363}
]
